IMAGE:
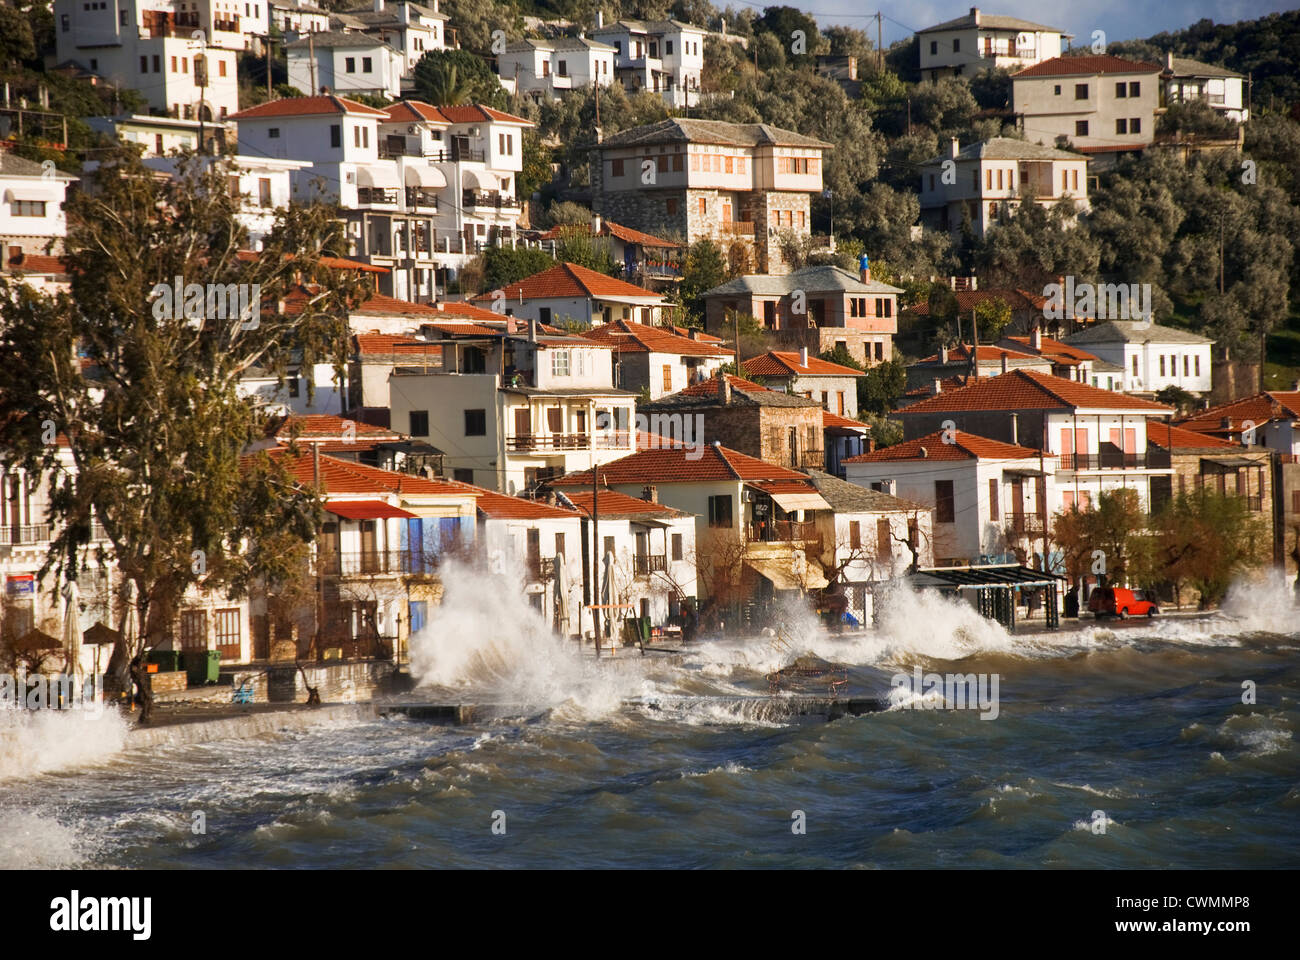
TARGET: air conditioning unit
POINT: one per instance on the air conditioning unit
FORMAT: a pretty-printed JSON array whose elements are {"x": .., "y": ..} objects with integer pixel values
[
  {"x": 747, "y": 495},
  {"x": 473, "y": 131},
  {"x": 412, "y": 129}
]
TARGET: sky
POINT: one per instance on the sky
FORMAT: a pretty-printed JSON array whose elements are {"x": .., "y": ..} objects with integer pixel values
[{"x": 1119, "y": 19}]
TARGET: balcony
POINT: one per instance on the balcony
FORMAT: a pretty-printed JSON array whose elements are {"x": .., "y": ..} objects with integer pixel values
[
  {"x": 17, "y": 535},
  {"x": 422, "y": 197},
  {"x": 539, "y": 569},
  {"x": 1115, "y": 460},
  {"x": 644, "y": 564},
  {"x": 377, "y": 196},
  {"x": 530, "y": 442},
  {"x": 782, "y": 531},
  {"x": 488, "y": 198},
  {"x": 613, "y": 439},
  {"x": 1020, "y": 524},
  {"x": 353, "y": 563},
  {"x": 809, "y": 459},
  {"x": 736, "y": 228}
]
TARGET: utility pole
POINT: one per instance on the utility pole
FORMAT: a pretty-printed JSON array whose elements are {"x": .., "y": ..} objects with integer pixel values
[
  {"x": 880, "y": 47},
  {"x": 269, "y": 46},
  {"x": 311, "y": 58},
  {"x": 595, "y": 554}
]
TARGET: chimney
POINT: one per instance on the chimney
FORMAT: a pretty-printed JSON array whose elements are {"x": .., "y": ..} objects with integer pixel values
[
  {"x": 973, "y": 283},
  {"x": 595, "y": 223},
  {"x": 1036, "y": 338},
  {"x": 937, "y": 388},
  {"x": 864, "y": 268},
  {"x": 1169, "y": 61},
  {"x": 803, "y": 356},
  {"x": 726, "y": 390},
  {"x": 1004, "y": 361},
  {"x": 600, "y": 19},
  {"x": 943, "y": 357},
  {"x": 954, "y": 148},
  {"x": 379, "y": 6},
  {"x": 975, "y": 12},
  {"x": 651, "y": 493},
  {"x": 1226, "y": 423},
  {"x": 1015, "y": 429},
  {"x": 1295, "y": 386}
]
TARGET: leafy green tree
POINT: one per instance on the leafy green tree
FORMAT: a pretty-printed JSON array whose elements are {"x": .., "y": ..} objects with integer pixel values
[
  {"x": 537, "y": 159},
  {"x": 784, "y": 24},
  {"x": 1207, "y": 539},
  {"x": 503, "y": 266},
  {"x": 880, "y": 389},
  {"x": 16, "y": 40},
  {"x": 566, "y": 213},
  {"x": 704, "y": 268},
  {"x": 946, "y": 106},
  {"x": 1035, "y": 245},
  {"x": 580, "y": 247},
  {"x": 452, "y": 77},
  {"x": 991, "y": 88},
  {"x": 1175, "y": 396},
  {"x": 841, "y": 356},
  {"x": 148, "y": 397},
  {"x": 884, "y": 431},
  {"x": 1196, "y": 118},
  {"x": 993, "y": 316}
]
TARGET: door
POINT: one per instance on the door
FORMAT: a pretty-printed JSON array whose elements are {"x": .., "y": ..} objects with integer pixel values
[
  {"x": 1017, "y": 505},
  {"x": 459, "y": 149},
  {"x": 524, "y": 429},
  {"x": 533, "y": 554},
  {"x": 369, "y": 547},
  {"x": 328, "y": 546},
  {"x": 418, "y": 612}
]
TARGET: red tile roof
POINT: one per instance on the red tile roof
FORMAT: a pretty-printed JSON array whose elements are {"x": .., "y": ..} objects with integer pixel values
[
  {"x": 457, "y": 309},
  {"x": 963, "y": 446},
  {"x": 37, "y": 263},
  {"x": 309, "y": 426},
  {"x": 1029, "y": 390},
  {"x": 695, "y": 334},
  {"x": 987, "y": 354},
  {"x": 1261, "y": 408},
  {"x": 477, "y": 113},
  {"x": 610, "y": 229},
  {"x": 384, "y": 343},
  {"x": 1058, "y": 351},
  {"x": 778, "y": 363},
  {"x": 1176, "y": 438},
  {"x": 379, "y": 303},
  {"x": 333, "y": 263},
  {"x": 629, "y": 337},
  {"x": 946, "y": 383},
  {"x": 968, "y": 300},
  {"x": 682, "y": 464},
  {"x": 615, "y": 504},
  {"x": 1085, "y": 65},
  {"x": 346, "y": 477},
  {"x": 835, "y": 421},
  {"x": 569, "y": 280},
  {"x": 306, "y": 106}
]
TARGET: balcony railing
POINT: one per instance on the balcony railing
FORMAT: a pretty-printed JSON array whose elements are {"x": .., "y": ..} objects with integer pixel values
[
  {"x": 351, "y": 563},
  {"x": 488, "y": 198},
  {"x": 377, "y": 195},
  {"x": 737, "y": 227},
  {"x": 613, "y": 439},
  {"x": 645, "y": 564},
  {"x": 540, "y": 569},
  {"x": 1022, "y": 523},
  {"x": 816, "y": 459},
  {"x": 549, "y": 441},
  {"x": 1117, "y": 460},
  {"x": 33, "y": 533},
  {"x": 781, "y": 531}
]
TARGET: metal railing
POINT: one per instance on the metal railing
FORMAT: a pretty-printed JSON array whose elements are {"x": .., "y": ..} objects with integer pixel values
[
  {"x": 377, "y": 195},
  {"x": 737, "y": 227},
  {"x": 487, "y": 198},
  {"x": 1117, "y": 460},
  {"x": 539, "y": 569},
  {"x": 644, "y": 564},
  {"x": 1022, "y": 523},
  {"x": 613, "y": 439},
  {"x": 782, "y": 531},
  {"x": 31, "y": 533},
  {"x": 352, "y": 563},
  {"x": 549, "y": 441}
]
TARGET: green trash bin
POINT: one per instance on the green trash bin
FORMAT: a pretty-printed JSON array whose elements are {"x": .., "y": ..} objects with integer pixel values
[
  {"x": 202, "y": 667},
  {"x": 168, "y": 661}
]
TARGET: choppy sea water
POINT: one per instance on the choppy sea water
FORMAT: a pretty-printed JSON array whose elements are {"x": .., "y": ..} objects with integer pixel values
[{"x": 663, "y": 764}]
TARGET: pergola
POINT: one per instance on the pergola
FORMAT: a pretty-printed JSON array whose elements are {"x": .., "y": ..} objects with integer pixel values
[{"x": 994, "y": 586}]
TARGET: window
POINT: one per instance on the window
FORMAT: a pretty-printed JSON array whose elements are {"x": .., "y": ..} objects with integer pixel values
[
  {"x": 505, "y": 143},
  {"x": 173, "y": 64},
  {"x": 273, "y": 133},
  {"x": 1081, "y": 91},
  {"x": 703, "y": 207},
  {"x": 668, "y": 378},
  {"x": 944, "y": 511},
  {"x": 670, "y": 206},
  {"x": 228, "y": 633},
  {"x": 336, "y": 135},
  {"x": 677, "y": 163},
  {"x": 27, "y": 208},
  {"x": 264, "y": 191},
  {"x": 720, "y": 510},
  {"x": 934, "y": 48},
  {"x": 157, "y": 63},
  {"x": 144, "y": 62},
  {"x": 1056, "y": 90},
  {"x": 1135, "y": 89},
  {"x": 350, "y": 64},
  {"x": 555, "y": 419},
  {"x": 975, "y": 179},
  {"x": 855, "y": 535},
  {"x": 1121, "y": 90},
  {"x": 880, "y": 350},
  {"x": 1135, "y": 365},
  {"x": 221, "y": 68},
  {"x": 475, "y": 423},
  {"x": 1186, "y": 365},
  {"x": 884, "y": 545},
  {"x": 1135, "y": 125},
  {"x": 616, "y": 168},
  {"x": 194, "y": 630},
  {"x": 956, "y": 45},
  {"x": 1121, "y": 126},
  {"x": 668, "y": 48},
  {"x": 1196, "y": 364},
  {"x": 544, "y": 315},
  {"x": 367, "y": 64},
  {"x": 462, "y": 475},
  {"x": 419, "y": 423},
  {"x": 993, "y": 498},
  {"x": 1081, "y": 128},
  {"x": 559, "y": 363},
  {"x": 64, "y": 23},
  {"x": 1162, "y": 364}
]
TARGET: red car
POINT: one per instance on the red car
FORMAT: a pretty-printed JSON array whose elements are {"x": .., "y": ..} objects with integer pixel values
[{"x": 1120, "y": 602}]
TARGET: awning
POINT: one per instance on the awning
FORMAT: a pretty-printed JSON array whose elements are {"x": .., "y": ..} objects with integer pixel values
[
  {"x": 1231, "y": 463},
  {"x": 384, "y": 177},
  {"x": 791, "y": 574},
  {"x": 469, "y": 180},
  {"x": 425, "y": 177},
  {"x": 1022, "y": 472},
  {"x": 365, "y": 510},
  {"x": 800, "y": 501}
]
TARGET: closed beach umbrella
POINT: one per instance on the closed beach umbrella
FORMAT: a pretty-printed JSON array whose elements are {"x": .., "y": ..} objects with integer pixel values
[
  {"x": 609, "y": 592},
  {"x": 72, "y": 629}
]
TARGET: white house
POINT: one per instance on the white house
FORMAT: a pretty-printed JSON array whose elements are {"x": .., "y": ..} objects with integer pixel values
[
  {"x": 1222, "y": 89},
  {"x": 32, "y": 214},
  {"x": 552, "y": 66},
  {"x": 296, "y": 17},
  {"x": 663, "y": 56},
  {"x": 1097, "y": 437},
  {"x": 983, "y": 41},
  {"x": 656, "y": 358},
  {"x": 568, "y": 291},
  {"x": 414, "y": 29},
  {"x": 181, "y": 62},
  {"x": 160, "y": 136},
  {"x": 986, "y": 182},
  {"x": 1102, "y": 104},
  {"x": 1274, "y": 416},
  {"x": 1153, "y": 356},
  {"x": 345, "y": 63},
  {"x": 989, "y": 498}
]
